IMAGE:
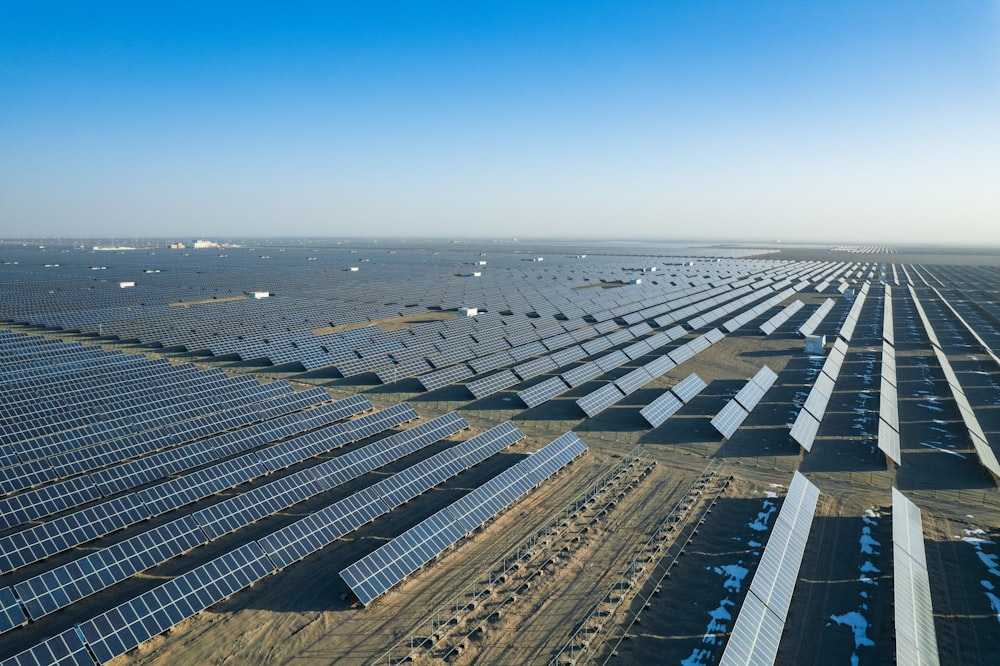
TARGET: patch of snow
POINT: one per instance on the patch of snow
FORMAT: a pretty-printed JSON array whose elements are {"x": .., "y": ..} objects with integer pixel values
[
  {"x": 770, "y": 494},
  {"x": 994, "y": 603},
  {"x": 858, "y": 624},
  {"x": 699, "y": 657},
  {"x": 734, "y": 574},
  {"x": 868, "y": 542},
  {"x": 753, "y": 544},
  {"x": 987, "y": 584},
  {"x": 868, "y": 567},
  {"x": 776, "y": 485},
  {"x": 938, "y": 448},
  {"x": 977, "y": 531}
]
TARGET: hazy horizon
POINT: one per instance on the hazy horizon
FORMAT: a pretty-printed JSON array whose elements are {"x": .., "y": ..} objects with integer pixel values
[{"x": 716, "y": 121}]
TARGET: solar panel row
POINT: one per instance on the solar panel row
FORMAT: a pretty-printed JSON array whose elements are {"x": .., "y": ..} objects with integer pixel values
[
  {"x": 755, "y": 638},
  {"x": 373, "y": 575},
  {"x": 916, "y": 641}
]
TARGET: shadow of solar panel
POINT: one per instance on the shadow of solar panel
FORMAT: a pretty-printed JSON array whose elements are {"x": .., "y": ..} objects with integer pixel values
[
  {"x": 804, "y": 429},
  {"x": 729, "y": 418},
  {"x": 600, "y": 399},
  {"x": 542, "y": 392},
  {"x": 689, "y": 387},
  {"x": 486, "y": 386},
  {"x": 128, "y": 625},
  {"x": 64, "y": 585}
]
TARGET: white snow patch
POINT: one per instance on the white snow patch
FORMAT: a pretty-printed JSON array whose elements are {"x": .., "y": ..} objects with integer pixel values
[
  {"x": 868, "y": 567},
  {"x": 734, "y": 574},
  {"x": 868, "y": 542},
  {"x": 754, "y": 544},
  {"x": 776, "y": 485},
  {"x": 994, "y": 603},
  {"x": 938, "y": 448},
  {"x": 770, "y": 494},
  {"x": 698, "y": 657},
  {"x": 858, "y": 624},
  {"x": 987, "y": 584}
]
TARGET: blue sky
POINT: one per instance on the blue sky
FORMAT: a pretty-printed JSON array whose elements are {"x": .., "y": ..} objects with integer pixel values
[{"x": 851, "y": 121}]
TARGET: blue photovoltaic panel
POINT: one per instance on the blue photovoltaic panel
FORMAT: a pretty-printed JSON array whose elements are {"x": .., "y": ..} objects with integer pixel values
[
  {"x": 689, "y": 387},
  {"x": 729, "y": 418},
  {"x": 749, "y": 395},
  {"x": 45, "y": 501},
  {"x": 542, "y": 392},
  {"x": 390, "y": 564},
  {"x": 600, "y": 399},
  {"x": 41, "y": 541},
  {"x": 64, "y": 649},
  {"x": 450, "y": 375},
  {"x": 804, "y": 429},
  {"x": 659, "y": 366},
  {"x": 490, "y": 385},
  {"x": 130, "y": 624},
  {"x": 633, "y": 381},
  {"x": 11, "y": 613},
  {"x": 661, "y": 409},
  {"x": 60, "y": 587},
  {"x": 581, "y": 374}
]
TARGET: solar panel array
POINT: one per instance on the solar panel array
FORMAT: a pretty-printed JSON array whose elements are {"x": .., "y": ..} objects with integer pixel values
[
  {"x": 806, "y": 424},
  {"x": 732, "y": 415},
  {"x": 847, "y": 328},
  {"x": 307, "y": 535},
  {"x": 543, "y": 391},
  {"x": 916, "y": 641},
  {"x": 888, "y": 411},
  {"x": 980, "y": 443},
  {"x": 816, "y": 318},
  {"x": 755, "y": 638},
  {"x": 775, "y": 322},
  {"x": 374, "y": 574}
]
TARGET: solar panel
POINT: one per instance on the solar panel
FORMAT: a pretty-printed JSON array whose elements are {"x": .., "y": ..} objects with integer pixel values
[
  {"x": 729, "y": 418},
  {"x": 492, "y": 384},
  {"x": 568, "y": 355},
  {"x": 611, "y": 361},
  {"x": 661, "y": 409},
  {"x": 581, "y": 374},
  {"x": 888, "y": 332},
  {"x": 765, "y": 378},
  {"x": 804, "y": 429},
  {"x": 633, "y": 381},
  {"x": 599, "y": 399},
  {"x": 659, "y": 366},
  {"x": 774, "y": 580},
  {"x": 66, "y": 584},
  {"x": 714, "y": 336},
  {"x": 543, "y": 391},
  {"x": 755, "y": 636},
  {"x": 11, "y": 613},
  {"x": 637, "y": 349},
  {"x": 63, "y": 649},
  {"x": 41, "y": 541},
  {"x": 816, "y": 318},
  {"x": 534, "y": 367},
  {"x": 376, "y": 573},
  {"x": 916, "y": 641},
  {"x": 748, "y": 396},
  {"x": 681, "y": 354},
  {"x": 689, "y": 387},
  {"x": 888, "y": 405},
  {"x": 47, "y": 500},
  {"x": 130, "y": 624},
  {"x": 445, "y": 376}
]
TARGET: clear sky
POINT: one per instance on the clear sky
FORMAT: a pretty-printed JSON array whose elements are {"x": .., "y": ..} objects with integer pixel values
[{"x": 847, "y": 120}]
